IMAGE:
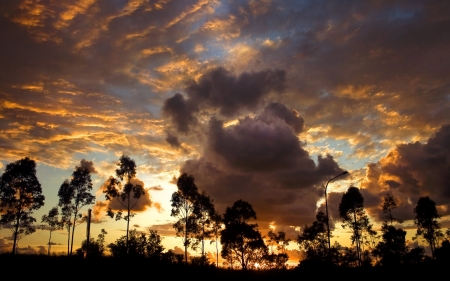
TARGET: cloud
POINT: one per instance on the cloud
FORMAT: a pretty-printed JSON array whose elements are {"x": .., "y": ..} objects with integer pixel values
[
  {"x": 173, "y": 140},
  {"x": 156, "y": 188},
  {"x": 261, "y": 160},
  {"x": 5, "y": 246},
  {"x": 222, "y": 90},
  {"x": 407, "y": 172},
  {"x": 89, "y": 165},
  {"x": 165, "y": 229},
  {"x": 116, "y": 204}
]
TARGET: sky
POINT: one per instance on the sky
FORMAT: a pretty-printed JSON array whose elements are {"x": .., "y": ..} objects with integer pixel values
[{"x": 263, "y": 101}]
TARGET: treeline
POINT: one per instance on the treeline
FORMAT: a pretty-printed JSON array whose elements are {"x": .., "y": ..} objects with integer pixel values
[{"x": 198, "y": 222}]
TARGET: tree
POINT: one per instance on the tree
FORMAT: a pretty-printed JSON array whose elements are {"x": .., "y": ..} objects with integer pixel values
[
  {"x": 389, "y": 205},
  {"x": 184, "y": 208},
  {"x": 73, "y": 196},
  {"x": 314, "y": 240},
  {"x": 204, "y": 210},
  {"x": 154, "y": 247},
  {"x": 65, "y": 202},
  {"x": 277, "y": 260},
  {"x": 52, "y": 222},
  {"x": 139, "y": 245},
  {"x": 392, "y": 249},
  {"x": 124, "y": 189},
  {"x": 351, "y": 210},
  {"x": 216, "y": 227},
  {"x": 240, "y": 239},
  {"x": 96, "y": 247},
  {"x": 20, "y": 195},
  {"x": 426, "y": 220}
]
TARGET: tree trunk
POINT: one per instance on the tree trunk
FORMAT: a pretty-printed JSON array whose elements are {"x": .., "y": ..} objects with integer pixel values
[
  {"x": 128, "y": 219},
  {"x": 356, "y": 232},
  {"x": 49, "y": 245},
  {"x": 73, "y": 231},
  {"x": 15, "y": 235},
  {"x": 217, "y": 253}
]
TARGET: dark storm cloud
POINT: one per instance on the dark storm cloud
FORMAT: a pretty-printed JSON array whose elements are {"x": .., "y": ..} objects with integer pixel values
[
  {"x": 180, "y": 111},
  {"x": 408, "y": 172},
  {"x": 173, "y": 140},
  {"x": 229, "y": 93},
  {"x": 261, "y": 160},
  {"x": 220, "y": 89}
]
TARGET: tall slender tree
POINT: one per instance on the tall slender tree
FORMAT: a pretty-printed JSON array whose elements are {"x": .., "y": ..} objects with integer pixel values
[
  {"x": 20, "y": 195},
  {"x": 204, "y": 210},
  {"x": 351, "y": 210},
  {"x": 73, "y": 196},
  {"x": 216, "y": 227},
  {"x": 427, "y": 223},
  {"x": 52, "y": 222},
  {"x": 123, "y": 189},
  {"x": 183, "y": 204},
  {"x": 65, "y": 202}
]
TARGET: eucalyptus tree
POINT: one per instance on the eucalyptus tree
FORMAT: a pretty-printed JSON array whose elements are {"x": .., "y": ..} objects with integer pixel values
[
  {"x": 53, "y": 222},
  {"x": 216, "y": 227},
  {"x": 65, "y": 202},
  {"x": 73, "y": 196},
  {"x": 427, "y": 223},
  {"x": 123, "y": 189},
  {"x": 351, "y": 210},
  {"x": 204, "y": 210},
  {"x": 184, "y": 208},
  {"x": 392, "y": 249},
  {"x": 20, "y": 195},
  {"x": 239, "y": 238}
]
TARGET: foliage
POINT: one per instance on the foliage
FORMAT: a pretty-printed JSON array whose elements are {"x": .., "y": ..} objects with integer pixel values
[
  {"x": 392, "y": 249},
  {"x": 216, "y": 227},
  {"x": 426, "y": 220},
  {"x": 52, "y": 222},
  {"x": 20, "y": 195},
  {"x": 241, "y": 240},
  {"x": 96, "y": 247},
  {"x": 122, "y": 189},
  {"x": 351, "y": 210},
  {"x": 313, "y": 240},
  {"x": 139, "y": 245},
  {"x": 184, "y": 208},
  {"x": 73, "y": 196},
  {"x": 204, "y": 210}
]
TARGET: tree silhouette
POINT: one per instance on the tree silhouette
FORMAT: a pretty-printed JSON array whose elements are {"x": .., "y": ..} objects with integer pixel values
[
  {"x": 216, "y": 227},
  {"x": 204, "y": 210},
  {"x": 96, "y": 247},
  {"x": 139, "y": 245},
  {"x": 20, "y": 195},
  {"x": 277, "y": 260},
  {"x": 426, "y": 220},
  {"x": 123, "y": 189},
  {"x": 351, "y": 210},
  {"x": 314, "y": 240},
  {"x": 52, "y": 222},
  {"x": 393, "y": 248},
  {"x": 389, "y": 205},
  {"x": 73, "y": 196},
  {"x": 184, "y": 208},
  {"x": 65, "y": 202},
  {"x": 239, "y": 238}
]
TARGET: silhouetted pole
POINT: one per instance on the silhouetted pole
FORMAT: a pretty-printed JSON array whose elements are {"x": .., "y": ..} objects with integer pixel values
[{"x": 326, "y": 208}]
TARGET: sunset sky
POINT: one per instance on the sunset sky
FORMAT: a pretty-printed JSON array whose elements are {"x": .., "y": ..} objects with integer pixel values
[{"x": 260, "y": 100}]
